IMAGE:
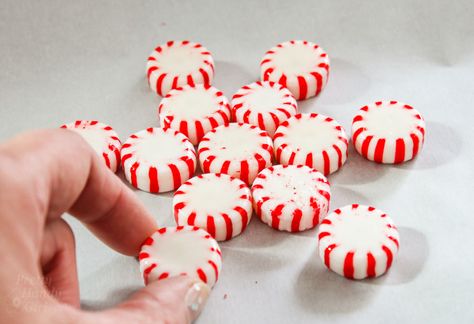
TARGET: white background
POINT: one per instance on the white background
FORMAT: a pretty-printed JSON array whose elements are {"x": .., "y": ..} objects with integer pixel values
[{"x": 67, "y": 60}]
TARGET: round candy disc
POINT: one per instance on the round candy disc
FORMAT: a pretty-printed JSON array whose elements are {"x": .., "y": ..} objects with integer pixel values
[
  {"x": 300, "y": 66},
  {"x": 158, "y": 160},
  {"x": 103, "y": 139},
  {"x": 388, "y": 132},
  {"x": 358, "y": 241},
  {"x": 291, "y": 198},
  {"x": 263, "y": 104},
  {"x": 182, "y": 250},
  {"x": 194, "y": 110},
  {"x": 217, "y": 203},
  {"x": 240, "y": 150},
  {"x": 313, "y": 140},
  {"x": 178, "y": 63}
]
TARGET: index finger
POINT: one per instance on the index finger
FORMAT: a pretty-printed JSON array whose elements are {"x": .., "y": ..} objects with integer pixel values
[{"x": 70, "y": 177}]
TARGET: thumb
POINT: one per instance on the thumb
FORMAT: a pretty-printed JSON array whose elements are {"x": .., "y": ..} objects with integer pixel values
[{"x": 173, "y": 300}]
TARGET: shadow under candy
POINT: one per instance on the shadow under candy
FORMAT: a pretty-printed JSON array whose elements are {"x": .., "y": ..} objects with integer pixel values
[
  {"x": 319, "y": 290},
  {"x": 229, "y": 77},
  {"x": 410, "y": 260},
  {"x": 442, "y": 145},
  {"x": 347, "y": 82},
  {"x": 257, "y": 235},
  {"x": 358, "y": 170}
]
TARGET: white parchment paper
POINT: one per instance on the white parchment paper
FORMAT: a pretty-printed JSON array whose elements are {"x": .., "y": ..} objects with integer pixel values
[{"x": 67, "y": 60}]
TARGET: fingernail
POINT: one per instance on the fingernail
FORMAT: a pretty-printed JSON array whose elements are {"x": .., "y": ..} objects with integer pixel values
[{"x": 196, "y": 298}]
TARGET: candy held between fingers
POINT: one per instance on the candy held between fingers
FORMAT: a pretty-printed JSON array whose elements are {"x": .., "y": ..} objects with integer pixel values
[
  {"x": 178, "y": 63},
  {"x": 217, "y": 203},
  {"x": 388, "y": 132},
  {"x": 358, "y": 241},
  {"x": 300, "y": 66},
  {"x": 263, "y": 104},
  {"x": 291, "y": 198},
  {"x": 314, "y": 140},
  {"x": 181, "y": 250},
  {"x": 158, "y": 160},
  {"x": 240, "y": 150},
  {"x": 103, "y": 139},
  {"x": 194, "y": 110}
]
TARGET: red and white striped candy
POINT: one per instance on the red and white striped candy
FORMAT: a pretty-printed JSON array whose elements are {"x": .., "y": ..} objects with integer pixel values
[
  {"x": 291, "y": 198},
  {"x": 263, "y": 104},
  {"x": 182, "y": 250},
  {"x": 240, "y": 150},
  {"x": 358, "y": 241},
  {"x": 178, "y": 63},
  {"x": 194, "y": 110},
  {"x": 158, "y": 160},
  {"x": 300, "y": 66},
  {"x": 225, "y": 215},
  {"x": 313, "y": 140},
  {"x": 388, "y": 132},
  {"x": 103, "y": 139}
]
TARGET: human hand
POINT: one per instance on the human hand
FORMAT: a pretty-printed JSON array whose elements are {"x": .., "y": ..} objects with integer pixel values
[{"x": 42, "y": 175}]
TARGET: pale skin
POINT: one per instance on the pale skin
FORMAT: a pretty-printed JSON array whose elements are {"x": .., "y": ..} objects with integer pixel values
[{"x": 44, "y": 174}]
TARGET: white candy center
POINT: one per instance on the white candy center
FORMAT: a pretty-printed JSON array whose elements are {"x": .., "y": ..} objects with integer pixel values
[
  {"x": 296, "y": 59},
  {"x": 213, "y": 196},
  {"x": 389, "y": 121},
  {"x": 180, "y": 251},
  {"x": 158, "y": 148},
  {"x": 264, "y": 99},
  {"x": 291, "y": 185},
  {"x": 180, "y": 60},
  {"x": 235, "y": 143},
  {"x": 97, "y": 138},
  {"x": 192, "y": 104},
  {"x": 311, "y": 134},
  {"x": 360, "y": 230}
]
